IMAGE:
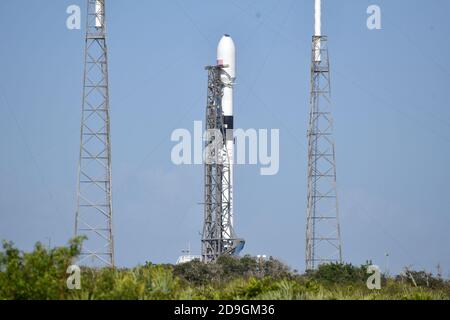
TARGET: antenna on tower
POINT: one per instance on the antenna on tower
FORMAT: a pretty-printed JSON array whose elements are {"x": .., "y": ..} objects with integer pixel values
[
  {"x": 93, "y": 217},
  {"x": 317, "y": 29},
  {"x": 323, "y": 236}
]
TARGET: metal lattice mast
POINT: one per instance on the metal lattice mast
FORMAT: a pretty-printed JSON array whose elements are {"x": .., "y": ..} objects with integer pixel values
[
  {"x": 218, "y": 236},
  {"x": 94, "y": 202},
  {"x": 323, "y": 237}
]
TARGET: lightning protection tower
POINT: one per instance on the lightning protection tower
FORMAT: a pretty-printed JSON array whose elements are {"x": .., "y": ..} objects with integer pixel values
[
  {"x": 323, "y": 236},
  {"x": 94, "y": 203}
]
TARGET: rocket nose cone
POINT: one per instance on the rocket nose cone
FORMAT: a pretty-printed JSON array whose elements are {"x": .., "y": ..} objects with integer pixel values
[
  {"x": 226, "y": 43},
  {"x": 226, "y": 54}
]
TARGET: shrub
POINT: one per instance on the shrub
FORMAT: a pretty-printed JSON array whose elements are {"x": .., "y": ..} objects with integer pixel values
[
  {"x": 40, "y": 274},
  {"x": 336, "y": 273}
]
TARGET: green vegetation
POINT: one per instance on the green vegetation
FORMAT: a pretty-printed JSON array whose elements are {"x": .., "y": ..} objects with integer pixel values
[{"x": 41, "y": 274}]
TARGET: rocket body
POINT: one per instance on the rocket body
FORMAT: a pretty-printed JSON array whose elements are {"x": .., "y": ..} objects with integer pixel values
[{"x": 226, "y": 56}]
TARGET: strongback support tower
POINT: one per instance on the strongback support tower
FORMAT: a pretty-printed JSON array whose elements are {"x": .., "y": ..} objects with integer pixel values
[
  {"x": 323, "y": 236},
  {"x": 218, "y": 236},
  {"x": 94, "y": 202}
]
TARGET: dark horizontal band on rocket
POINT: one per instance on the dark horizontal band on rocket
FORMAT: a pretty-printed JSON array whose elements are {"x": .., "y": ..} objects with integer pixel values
[{"x": 228, "y": 122}]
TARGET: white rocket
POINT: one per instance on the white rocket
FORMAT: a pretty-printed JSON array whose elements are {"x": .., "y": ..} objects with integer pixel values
[{"x": 226, "y": 56}]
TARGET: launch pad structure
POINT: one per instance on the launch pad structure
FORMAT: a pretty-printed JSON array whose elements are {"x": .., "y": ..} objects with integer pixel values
[
  {"x": 94, "y": 192},
  {"x": 218, "y": 236}
]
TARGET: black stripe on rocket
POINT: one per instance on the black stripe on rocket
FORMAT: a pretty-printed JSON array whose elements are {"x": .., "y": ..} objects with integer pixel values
[{"x": 228, "y": 122}]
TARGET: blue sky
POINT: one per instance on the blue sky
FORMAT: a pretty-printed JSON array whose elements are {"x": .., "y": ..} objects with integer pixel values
[{"x": 391, "y": 110}]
